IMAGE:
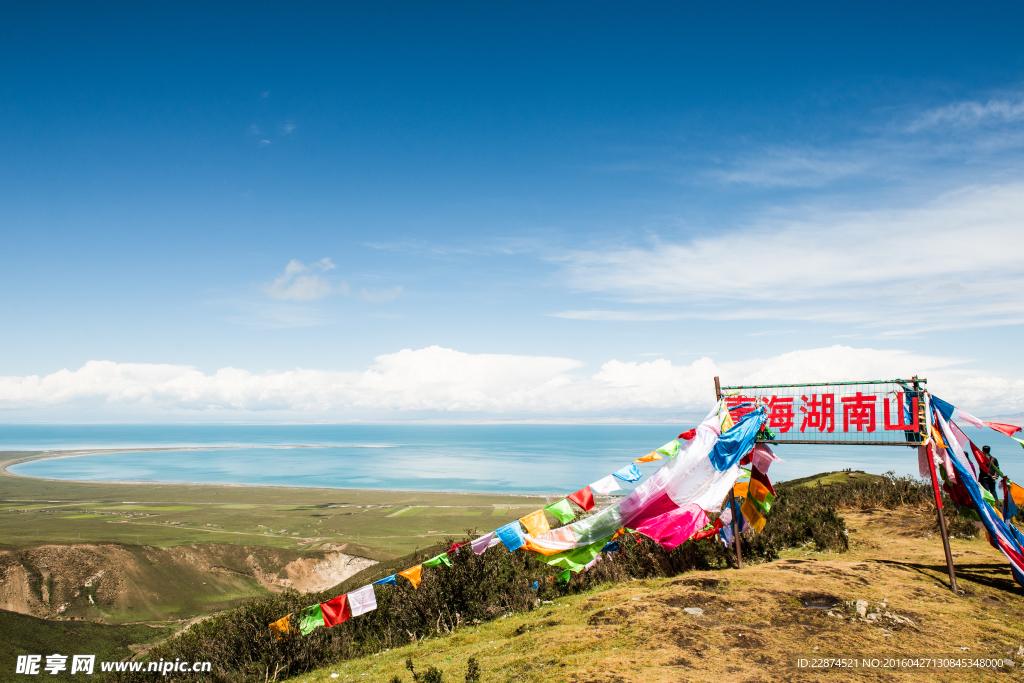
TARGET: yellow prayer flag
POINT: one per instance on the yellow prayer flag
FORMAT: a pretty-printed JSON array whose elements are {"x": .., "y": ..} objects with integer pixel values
[
  {"x": 754, "y": 517},
  {"x": 740, "y": 489},
  {"x": 650, "y": 457},
  {"x": 415, "y": 575},
  {"x": 727, "y": 422},
  {"x": 282, "y": 627},
  {"x": 1017, "y": 494},
  {"x": 536, "y": 523}
]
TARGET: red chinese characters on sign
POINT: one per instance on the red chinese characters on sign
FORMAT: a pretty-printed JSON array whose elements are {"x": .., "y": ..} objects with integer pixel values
[
  {"x": 819, "y": 413},
  {"x": 859, "y": 411},
  {"x": 908, "y": 426},
  {"x": 780, "y": 414},
  {"x": 738, "y": 406}
]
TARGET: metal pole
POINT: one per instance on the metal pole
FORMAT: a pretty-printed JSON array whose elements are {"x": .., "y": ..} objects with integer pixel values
[
  {"x": 927, "y": 452},
  {"x": 732, "y": 501},
  {"x": 942, "y": 518}
]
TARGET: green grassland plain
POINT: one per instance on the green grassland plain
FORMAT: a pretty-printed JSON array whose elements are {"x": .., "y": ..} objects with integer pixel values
[{"x": 384, "y": 523}]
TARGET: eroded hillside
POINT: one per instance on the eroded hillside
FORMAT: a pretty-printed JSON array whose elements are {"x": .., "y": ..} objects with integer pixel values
[{"x": 119, "y": 583}]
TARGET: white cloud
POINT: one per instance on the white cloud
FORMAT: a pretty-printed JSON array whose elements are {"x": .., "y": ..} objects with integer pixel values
[
  {"x": 969, "y": 114},
  {"x": 300, "y": 282},
  {"x": 952, "y": 263},
  {"x": 785, "y": 167},
  {"x": 443, "y": 381}
]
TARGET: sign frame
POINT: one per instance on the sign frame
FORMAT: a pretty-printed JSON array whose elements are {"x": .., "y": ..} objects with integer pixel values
[{"x": 917, "y": 385}]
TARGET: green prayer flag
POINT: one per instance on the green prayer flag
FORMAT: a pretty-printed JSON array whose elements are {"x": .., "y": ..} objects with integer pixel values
[
  {"x": 562, "y": 509},
  {"x": 670, "y": 449},
  {"x": 439, "y": 560},
  {"x": 564, "y": 576},
  {"x": 310, "y": 618},
  {"x": 577, "y": 558}
]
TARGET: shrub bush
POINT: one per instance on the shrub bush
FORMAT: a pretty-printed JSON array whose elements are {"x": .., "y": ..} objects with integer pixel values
[{"x": 479, "y": 588}]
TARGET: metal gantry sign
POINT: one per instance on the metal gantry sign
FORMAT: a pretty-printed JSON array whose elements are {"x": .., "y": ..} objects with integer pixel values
[{"x": 869, "y": 413}]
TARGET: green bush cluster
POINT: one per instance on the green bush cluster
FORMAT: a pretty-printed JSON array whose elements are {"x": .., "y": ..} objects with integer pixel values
[{"x": 479, "y": 588}]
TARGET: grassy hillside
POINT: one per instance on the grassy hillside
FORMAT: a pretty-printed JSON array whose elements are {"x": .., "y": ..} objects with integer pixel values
[
  {"x": 755, "y": 624},
  {"x": 25, "y": 635}
]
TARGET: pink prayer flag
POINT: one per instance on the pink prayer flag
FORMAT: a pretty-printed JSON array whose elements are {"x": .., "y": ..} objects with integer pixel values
[
  {"x": 675, "y": 527},
  {"x": 970, "y": 419},
  {"x": 483, "y": 543},
  {"x": 763, "y": 457}
]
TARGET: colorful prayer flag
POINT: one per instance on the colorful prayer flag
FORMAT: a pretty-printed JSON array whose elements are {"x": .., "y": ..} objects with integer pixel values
[
  {"x": 536, "y": 523},
  {"x": 651, "y": 457},
  {"x": 688, "y": 434},
  {"x": 628, "y": 473},
  {"x": 564, "y": 576},
  {"x": 386, "y": 581},
  {"x": 282, "y": 627},
  {"x": 761, "y": 492},
  {"x": 362, "y": 600},
  {"x": 511, "y": 535},
  {"x": 1009, "y": 430},
  {"x": 970, "y": 419},
  {"x": 740, "y": 489},
  {"x": 584, "y": 497},
  {"x": 438, "y": 560},
  {"x": 753, "y": 515},
  {"x": 945, "y": 408},
  {"x": 669, "y": 450},
  {"x": 336, "y": 611},
  {"x": 605, "y": 486},
  {"x": 414, "y": 574},
  {"x": 674, "y": 527},
  {"x": 310, "y": 618},
  {"x": 484, "y": 542},
  {"x": 562, "y": 510}
]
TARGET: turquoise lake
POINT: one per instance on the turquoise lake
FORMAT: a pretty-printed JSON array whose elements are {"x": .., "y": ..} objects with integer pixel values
[{"x": 458, "y": 458}]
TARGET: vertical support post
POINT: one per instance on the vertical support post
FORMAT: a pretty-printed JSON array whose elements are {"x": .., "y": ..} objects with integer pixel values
[
  {"x": 942, "y": 517},
  {"x": 927, "y": 452},
  {"x": 732, "y": 501}
]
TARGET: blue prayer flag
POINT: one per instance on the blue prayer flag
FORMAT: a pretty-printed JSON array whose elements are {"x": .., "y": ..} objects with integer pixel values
[
  {"x": 511, "y": 535},
  {"x": 629, "y": 473}
]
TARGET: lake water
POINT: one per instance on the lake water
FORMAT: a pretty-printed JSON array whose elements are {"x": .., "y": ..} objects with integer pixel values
[{"x": 458, "y": 458}]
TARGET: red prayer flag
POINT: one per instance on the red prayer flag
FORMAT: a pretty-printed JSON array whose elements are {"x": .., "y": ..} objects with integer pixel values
[
  {"x": 708, "y": 532},
  {"x": 584, "y": 498},
  {"x": 455, "y": 547},
  {"x": 688, "y": 434},
  {"x": 336, "y": 611},
  {"x": 1009, "y": 430},
  {"x": 757, "y": 475},
  {"x": 980, "y": 456}
]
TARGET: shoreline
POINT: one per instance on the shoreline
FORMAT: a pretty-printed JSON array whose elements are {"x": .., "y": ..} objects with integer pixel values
[{"x": 30, "y": 456}]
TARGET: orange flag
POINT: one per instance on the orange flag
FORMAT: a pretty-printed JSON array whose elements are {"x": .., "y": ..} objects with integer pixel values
[
  {"x": 281, "y": 627},
  {"x": 536, "y": 523},
  {"x": 650, "y": 457},
  {"x": 415, "y": 575}
]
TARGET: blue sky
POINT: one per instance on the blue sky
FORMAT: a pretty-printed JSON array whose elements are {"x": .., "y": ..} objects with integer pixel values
[{"x": 574, "y": 205}]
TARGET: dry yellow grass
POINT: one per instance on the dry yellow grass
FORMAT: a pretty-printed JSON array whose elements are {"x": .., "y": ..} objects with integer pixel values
[{"x": 755, "y": 625}]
